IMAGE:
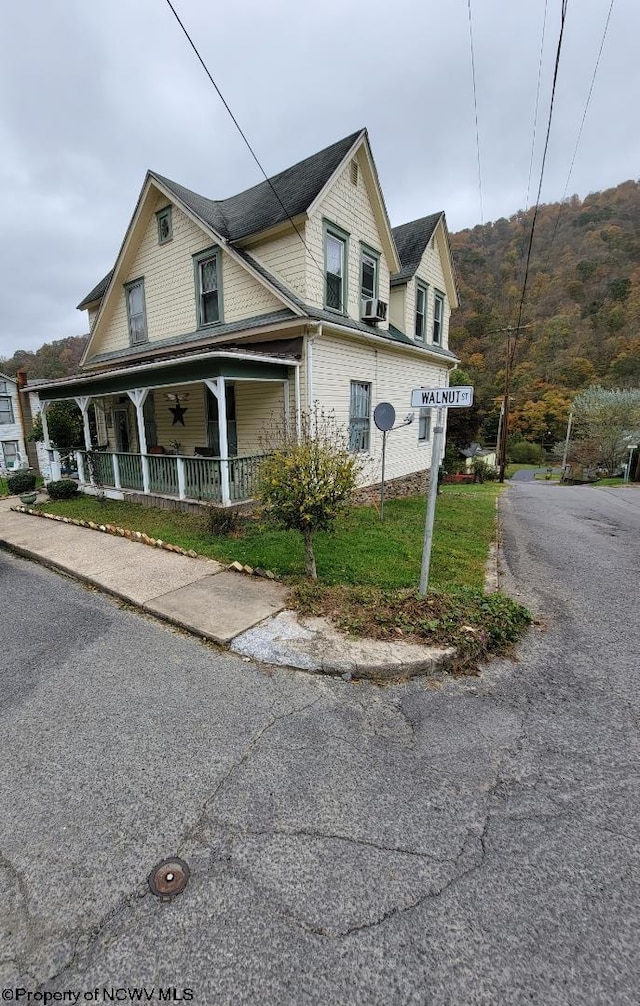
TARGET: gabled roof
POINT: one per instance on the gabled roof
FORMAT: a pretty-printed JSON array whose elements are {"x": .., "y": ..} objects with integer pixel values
[
  {"x": 411, "y": 240},
  {"x": 98, "y": 291},
  {"x": 5, "y": 377},
  {"x": 256, "y": 209}
]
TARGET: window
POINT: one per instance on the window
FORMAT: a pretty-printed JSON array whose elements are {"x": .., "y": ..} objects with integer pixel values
[
  {"x": 359, "y": 421},
  {"x": 335, "y": 258},
  {"x": 208, "y": 288},
  {"x": 424, "y": 425},
  {"x": 165, "y": 227},
  {"x": 368, "y": 273},
  {"x": 134, "y": 294},
  {"x": 6, "y": 411},
  {"x": 438, "y": 316},
  {"x": 421, "y": 311},
  {"x": 10, "y": 452},
  {"x": 3, "y": 388}
]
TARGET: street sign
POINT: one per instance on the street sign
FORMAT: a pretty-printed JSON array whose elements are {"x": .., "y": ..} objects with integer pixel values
[{"x": 441, "y": 398}]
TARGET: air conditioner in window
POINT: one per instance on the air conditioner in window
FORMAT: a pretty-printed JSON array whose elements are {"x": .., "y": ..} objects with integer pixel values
[{"x": 374, "y": 310}]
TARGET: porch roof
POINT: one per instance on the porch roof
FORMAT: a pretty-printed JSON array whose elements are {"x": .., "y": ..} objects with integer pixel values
[{"x": 164, "y": 373}]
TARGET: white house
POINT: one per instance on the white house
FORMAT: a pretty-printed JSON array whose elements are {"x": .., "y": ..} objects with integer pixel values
[
  {"x": 221, "y": 314},
  {"x": 13, "y": 448}
]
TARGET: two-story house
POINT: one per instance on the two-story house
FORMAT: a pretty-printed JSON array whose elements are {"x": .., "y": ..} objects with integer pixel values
[
  {"x": 219, "y": 315},
  {"x": 13, "y": 447}
]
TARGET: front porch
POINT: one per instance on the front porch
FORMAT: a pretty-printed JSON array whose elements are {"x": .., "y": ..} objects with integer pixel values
[
  {"x": 189, "y": 430},
  {"x": 222, "y": 481}
]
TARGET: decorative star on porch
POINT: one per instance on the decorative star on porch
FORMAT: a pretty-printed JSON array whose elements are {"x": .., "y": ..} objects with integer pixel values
[{"x": 178, "y": 413}]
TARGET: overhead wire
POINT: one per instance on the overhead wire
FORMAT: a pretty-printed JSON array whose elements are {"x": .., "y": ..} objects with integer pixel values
[
  {"x": 247, "y": 143},
  {"x": 535, "y": 114},
  {"x": 475, "y": 109},
  {"x": 584, "y": 116}
]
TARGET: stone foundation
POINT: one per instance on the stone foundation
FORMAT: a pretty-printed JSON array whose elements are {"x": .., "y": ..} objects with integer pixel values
[{"x": 415, "y": 484}]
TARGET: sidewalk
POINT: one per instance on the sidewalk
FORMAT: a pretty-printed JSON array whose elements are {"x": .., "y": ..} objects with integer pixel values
[{"x": 203, "y": 597}]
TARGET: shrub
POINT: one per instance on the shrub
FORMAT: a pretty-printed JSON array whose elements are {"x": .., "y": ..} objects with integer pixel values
[
  {"x": 525, "y": 453},
  {"x": 220, "y": 521},
  {"x": 63, "y": 489},
  {"x": 21, "y": 482},
  {"x": 483, "y": 471}
]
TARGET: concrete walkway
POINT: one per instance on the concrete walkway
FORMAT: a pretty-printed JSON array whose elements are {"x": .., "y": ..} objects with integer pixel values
[{"x": 205, "y": 598}]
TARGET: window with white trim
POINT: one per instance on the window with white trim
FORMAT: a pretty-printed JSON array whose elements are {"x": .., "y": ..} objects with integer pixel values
[
  {"x": 136, "y": 312},
  {"x": 424, "y": 426},
  {"x": 6, "y": 411},
  {"x": 438, "y": 317},
  {"x": 368, "y": 275},
  {"x": 208, "y": 276},
  {"x": 359, "y": 416},
  {"x": 335, "y": 257},
  {"x": 421, "y": 311},
  {"x": 10, "y": 452}
]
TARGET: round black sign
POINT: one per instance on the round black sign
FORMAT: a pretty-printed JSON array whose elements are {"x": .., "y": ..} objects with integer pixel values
[{"x": 384, "y": 416}]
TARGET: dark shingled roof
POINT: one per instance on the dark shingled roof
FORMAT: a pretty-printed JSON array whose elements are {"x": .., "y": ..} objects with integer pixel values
[
  {"x": 411, "y": 240},
  {"x": 257, "y": 209},
  {"x": 98, "y": 291}
]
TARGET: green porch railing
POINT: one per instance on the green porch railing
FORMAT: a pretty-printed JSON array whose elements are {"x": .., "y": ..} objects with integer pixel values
[
  {"x": 130, "y": 467},
  {"x": 163, "y": 474},
  {"x": 243, "y": 477},
  {"x": 202, "y": 479}
]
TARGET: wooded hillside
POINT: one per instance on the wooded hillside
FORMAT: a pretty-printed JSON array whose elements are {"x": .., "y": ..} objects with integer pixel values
[
  {"x": 583, "y": 305},
  {"x": 54, "y": 359}
]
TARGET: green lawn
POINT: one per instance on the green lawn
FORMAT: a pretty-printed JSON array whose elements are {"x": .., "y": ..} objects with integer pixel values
[
  {"x": 4, "y": 491},
  {"x": 362, "y": 550}
]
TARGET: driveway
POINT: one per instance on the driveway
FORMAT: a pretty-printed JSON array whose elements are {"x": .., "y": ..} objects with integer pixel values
[{"x": 468, "y": 842}]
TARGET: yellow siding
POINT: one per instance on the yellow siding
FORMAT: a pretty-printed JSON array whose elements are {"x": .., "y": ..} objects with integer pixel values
[
  {"x": 169, "y": 284},
  {"x": 259, "y": 407},
  {"x": 285, "y": 257},
  {"x": 396, "y": 307},
  {"x": 430, "y": 271},
  {"x": 349, "y": 207},
  {"x": 392, "y": 376},
  {"x": 194, "y": 432}
]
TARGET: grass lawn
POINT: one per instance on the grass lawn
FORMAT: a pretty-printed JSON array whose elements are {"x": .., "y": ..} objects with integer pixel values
[
  {"x": 611, "y": 482},
  {"x": 3, "y": 488},
  {"x": 362, "y": 551}
]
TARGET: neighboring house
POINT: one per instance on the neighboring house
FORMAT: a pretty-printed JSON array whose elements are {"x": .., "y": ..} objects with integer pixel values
[
  {"x": 13, "y": 447},
  {"x": 476, "y": 452},
  {"x": 220, "y": 315}
]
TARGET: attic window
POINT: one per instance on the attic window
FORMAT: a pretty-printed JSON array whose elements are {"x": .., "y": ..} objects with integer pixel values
[
  {"x": 165, "y": 229},
  {"x": 354, "y": 172}
]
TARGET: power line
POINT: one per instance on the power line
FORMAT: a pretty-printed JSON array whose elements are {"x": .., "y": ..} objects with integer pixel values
[
  {"x": 584, "y": 116},
  {"x": 475, "y": 109},
  {"x": 535, "y": 114},
  {"x": 511, "y": 346},
  {"x": 244, "y": 137}
]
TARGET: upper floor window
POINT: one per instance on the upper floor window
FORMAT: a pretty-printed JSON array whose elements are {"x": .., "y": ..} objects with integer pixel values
[
  {"x": 165, "y": 225},
  {"x": 335, "y": 259},
  {"x": 369, "y": 268},
  {"x": 421, "y": 311},
  {"x": 6, "y": 411},
  {"x": 208, "y": 268},
  {"x": 438, "y": 317},
  {"x": 136, "y": 313},
  {"x": 3, "y": 388},
  {"x": 424, "y": 425},
  {"x": 359, "y": 416}
]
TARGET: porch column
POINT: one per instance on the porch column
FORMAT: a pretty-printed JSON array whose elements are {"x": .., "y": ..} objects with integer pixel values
[
  {"x": 80, "y": 463},
  {"x": 217, "y": 388},
  {"x": 54, "y": 466},
  {"x": 83, "y": 405},
  {"x": 138, "y": 397},
  {"x": 287, "y": 409},
  {"x": 296, "y": 392}
]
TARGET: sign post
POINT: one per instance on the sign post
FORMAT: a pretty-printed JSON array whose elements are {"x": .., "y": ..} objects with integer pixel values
[
  {"x": 384, "y": 416},
  {"x": 440, "y": 398}
]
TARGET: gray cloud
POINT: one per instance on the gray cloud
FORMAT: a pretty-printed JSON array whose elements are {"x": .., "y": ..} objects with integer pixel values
[{"x": 92, "y": 94}]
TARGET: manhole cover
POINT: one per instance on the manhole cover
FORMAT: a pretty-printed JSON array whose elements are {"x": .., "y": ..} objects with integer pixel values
[{"x": 168, "y": 878}]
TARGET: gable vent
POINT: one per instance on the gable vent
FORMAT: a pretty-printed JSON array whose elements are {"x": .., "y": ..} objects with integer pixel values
[{"x": 354, "y": 172}]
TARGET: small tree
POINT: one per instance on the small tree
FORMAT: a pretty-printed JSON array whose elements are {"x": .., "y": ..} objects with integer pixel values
[
  {"x": 305, "y": 482},
  {"x": 609, "y": 418}
]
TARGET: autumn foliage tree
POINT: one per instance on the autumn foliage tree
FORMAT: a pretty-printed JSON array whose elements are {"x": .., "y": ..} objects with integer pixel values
[{"x": 306, "y": 481}]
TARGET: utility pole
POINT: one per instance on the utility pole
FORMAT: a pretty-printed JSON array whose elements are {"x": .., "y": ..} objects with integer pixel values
[
  {"x": 504, "y": 426},
  {"x": 566, "y": 442}
]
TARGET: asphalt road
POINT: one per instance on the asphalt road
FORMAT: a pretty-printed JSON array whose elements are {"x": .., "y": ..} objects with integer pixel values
[{"x": 472, "y": 842}]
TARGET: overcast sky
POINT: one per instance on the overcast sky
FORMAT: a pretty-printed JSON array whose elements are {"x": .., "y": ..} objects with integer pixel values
[{"x": 94, "y": 92}]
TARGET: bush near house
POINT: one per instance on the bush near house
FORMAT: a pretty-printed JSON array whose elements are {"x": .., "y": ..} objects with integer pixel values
[
  {"x": 524, "y": 452},
  {"x": 21, "y": 482},
  {"x": 63, "y": 489}
]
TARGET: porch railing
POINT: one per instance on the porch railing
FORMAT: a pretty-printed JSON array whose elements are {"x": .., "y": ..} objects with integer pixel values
[{"x": 178, "y": 476}]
